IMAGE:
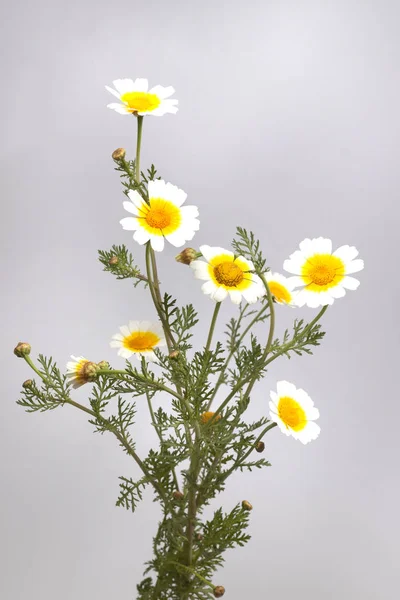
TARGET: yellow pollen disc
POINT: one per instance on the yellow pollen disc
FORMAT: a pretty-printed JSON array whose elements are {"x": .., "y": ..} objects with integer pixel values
[
  {"x": 228, "y": 274},
  {"x": 279, "y": 291},
  {"x": 160, "y": 217},
  {"x": 322, "y": 271},
  {"x": 141, "y": 340},
  {"x": 141, "y": 101},
  {"x": 207, "y": 416},
  {"x": 292, "y": 413}
]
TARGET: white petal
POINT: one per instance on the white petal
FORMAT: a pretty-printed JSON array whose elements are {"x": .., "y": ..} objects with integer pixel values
[
  {"x": 157, "y": 242},
  {"x": 119, "y": 108},
  {"x": 140, "y": 85},
  {"x": 354, "y": 266},
  {"x": 310, "y": 432},
  {"x": 131, "y": 208},
  {"x": 133, "y": 326},
  {"x": 209, "y": 252},
  {"x": 123, "y": 85},
  {"x": 141, "y": 236},
  {"x": 130, "y": 223},
  {"x": 346, "y": 253},
  {"x": 200, "y": 269},
  {"x": 209, "y": 287},
  {"x": 285, "y": 388},
  {"x": 136, "y": 199},
  {"x": 322, "y": 246},
  {"x": 295, "y": 281},
  {"x": 220, "y": 294},
  {"x": 235, "y": 296},
  {"x": 176, "y": 238},
  {"x": 115, "y": 344},
  {"x": 113, "y": 92},
  {"x": 162, "y": 92},
  {"x": 350, "y": 283}
]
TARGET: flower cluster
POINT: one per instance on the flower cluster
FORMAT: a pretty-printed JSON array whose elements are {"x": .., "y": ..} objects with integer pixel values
[{"x": 319, "y": 276}]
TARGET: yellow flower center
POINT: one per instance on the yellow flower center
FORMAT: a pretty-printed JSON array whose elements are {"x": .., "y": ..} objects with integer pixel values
[
  {"x": 279, "y": 291},
  {"x": 292, "y": 413},
  {"x": 229, "y": 274},
  {"x": 141, "y": 340},
  {"x": 141, "y": 101},
  {"x": 207, "y": 416},
  {"x": 322, "y": 271},
  {"x": 160, "y": 217}
]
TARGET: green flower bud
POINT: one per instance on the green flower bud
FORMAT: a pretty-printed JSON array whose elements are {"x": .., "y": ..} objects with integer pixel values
[
  {"x": 27, "y": 384},
  {"x": 246, "y": 505},
  {"x": 22, "y": 349},
  {"x": 260, "y": 447},
  {"x": 187, "y": 255}
]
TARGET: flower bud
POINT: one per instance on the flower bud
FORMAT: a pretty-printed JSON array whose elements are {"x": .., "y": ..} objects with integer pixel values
[
  {"x": 199, "y": 537},
  {"x": 113, "y": 260},
  {"x": 219, "y": 591},
  {"x": 178, "y": 495},
  {"x": 187, "y": 255},
  {"x": 88, "y": 371},
  {"x": 119, "y": 154},
  {"x": 103, "y": 364},
  {"x": 174, "y": 354},
  {"x": 260, "y": 447},
  {"x": 22, "y": 349},
  {"x": 27, "y": 384},
  {"x": 246, "y": 505},
  {"x": 207, "y": 416}
]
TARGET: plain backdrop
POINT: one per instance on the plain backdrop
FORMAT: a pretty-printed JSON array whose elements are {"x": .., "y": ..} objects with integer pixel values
[{"x": 288, "y": 124}]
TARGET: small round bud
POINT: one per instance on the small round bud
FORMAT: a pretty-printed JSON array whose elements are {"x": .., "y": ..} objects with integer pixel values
[
  {"x": 103, "y": 364},
  {"x": 119, "y": 154},
  {"x": 174, "y": 354},
  {"x": 187, "y": 255},
  {"x": 219, "y": 591},
  {"x": 178, "y": 495},
  {"x": 207, "y": 416},
  {"x": 27, "y": 384},
  {"x": 260, "y": 447},
  {"x": 22, "y": 349},
  {"x": 88, "y": 371},
  {"x": 113, "y": 260},
  {"x": 199, "y": 537},
  {"x": 246, "y": 505}
]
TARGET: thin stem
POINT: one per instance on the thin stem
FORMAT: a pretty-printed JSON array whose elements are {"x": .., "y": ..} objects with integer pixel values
[
  {"x": 232, "y": 352},
  {"x": 212, "y": 326},
  {"x": 126, "y": 376},
  {"x": 138, "y": 146},
  {"x": 67, "y": 400}
]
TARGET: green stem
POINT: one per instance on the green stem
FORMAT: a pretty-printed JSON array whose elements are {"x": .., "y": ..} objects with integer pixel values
[
  {"x": 138, "y": 147},
  {"x": 232, "y": 352},
  {"x": 212, "y": 326},
  {"x": 126, "y": 376},
  {"x": 67, "y": 400}
]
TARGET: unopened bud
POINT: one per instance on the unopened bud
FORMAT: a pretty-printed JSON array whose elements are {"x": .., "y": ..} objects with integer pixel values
[
  {"x": 103, "y": 364},
  {"x": 246, "y": 505},
  {"x": 207, "y": 416},
  {"x": 119, "y": 154},
  {"x": 88, "y": 371},
  {"x": 22, "y": 349},
  {"x": 199, "y": 537},
  {"x": 174, "y": 354},
  {"x": 113, "y": 260},
  {"x": 219, "y": 591},
  {"x": 187, "y": 255},
  {"x": 27, "y": 384},
  {"x": 260, "y": 447},
  {"x": 178, "y": 495}
]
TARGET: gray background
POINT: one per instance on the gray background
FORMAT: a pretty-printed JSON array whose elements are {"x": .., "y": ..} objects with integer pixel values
[{"x": 288, "y": 124}]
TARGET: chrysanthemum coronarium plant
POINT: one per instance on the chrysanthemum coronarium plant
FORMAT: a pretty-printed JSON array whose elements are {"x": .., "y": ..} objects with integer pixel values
[{"x": 203, "y": 433}]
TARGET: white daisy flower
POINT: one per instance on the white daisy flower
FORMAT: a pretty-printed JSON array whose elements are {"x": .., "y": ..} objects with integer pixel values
[
  {"x": 140, "y": 338},
  {"x": 281, "y": 288},
  {"x": 323, "y": 274},
  {"x": 163, "y": 217},
  {"x": 224, "y": 274},
  {"x": 294, "y": 412},
  {"x": 137, "y": 99},
  {"x": 80, "y": 371}
]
